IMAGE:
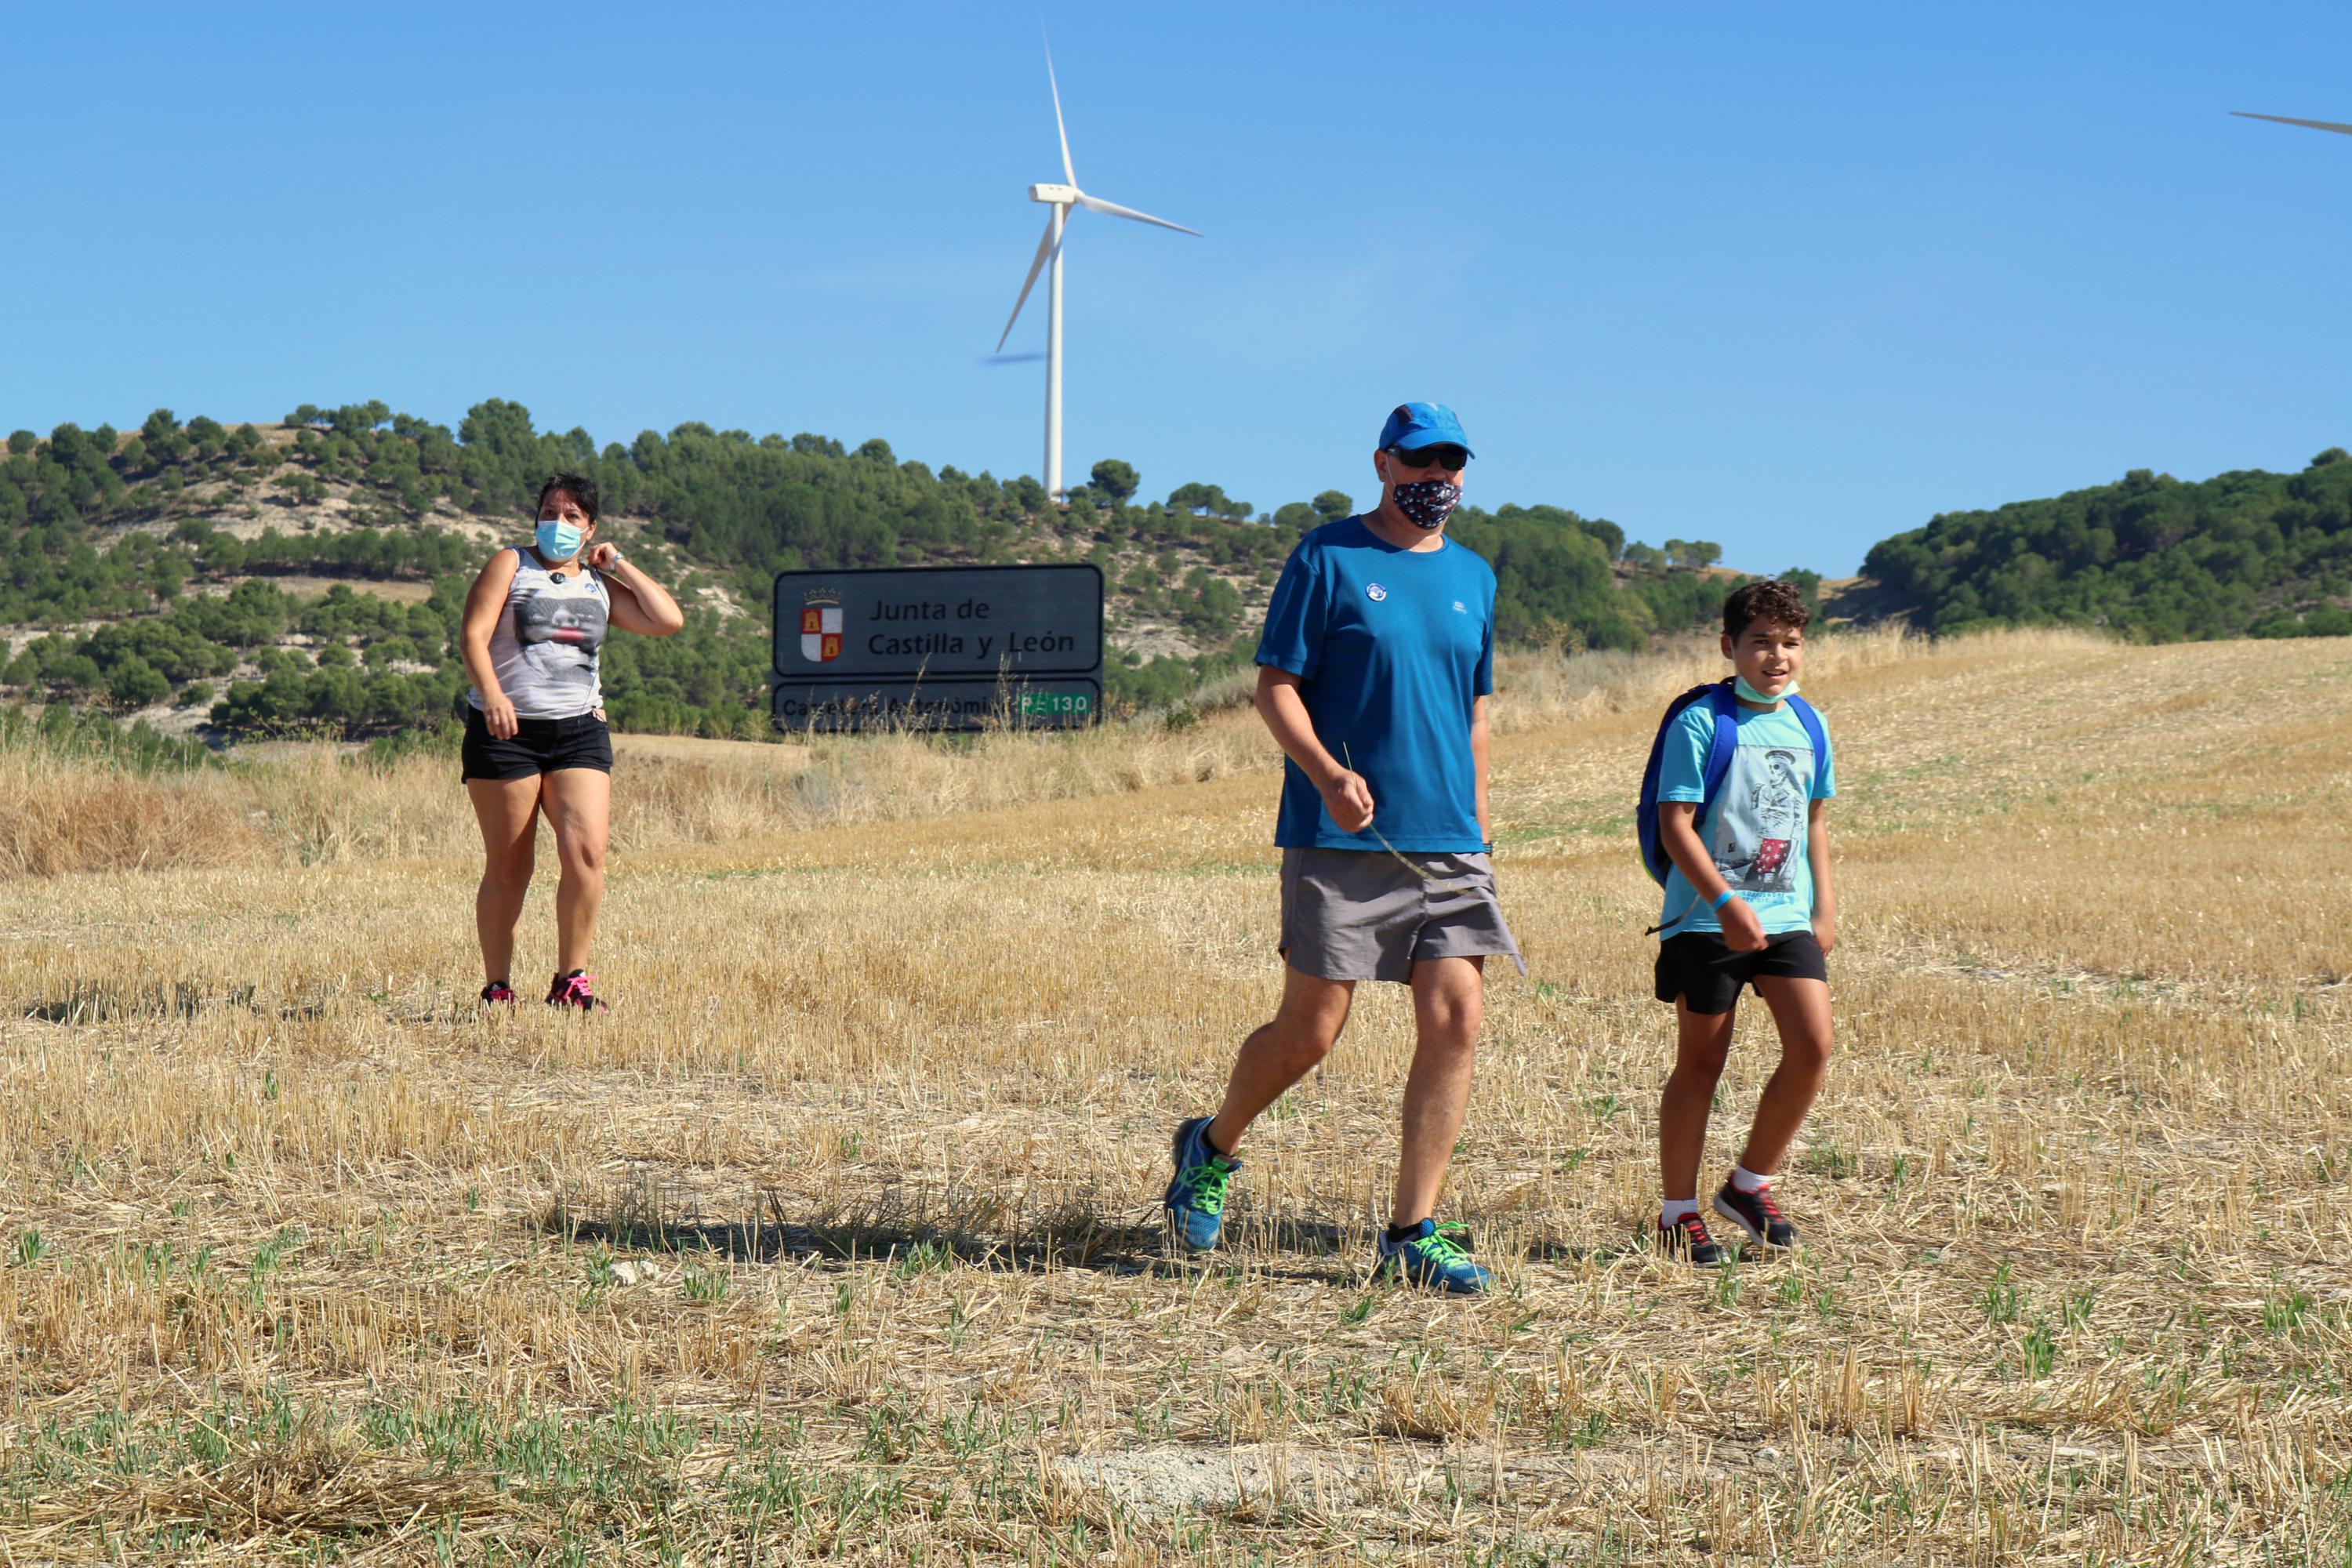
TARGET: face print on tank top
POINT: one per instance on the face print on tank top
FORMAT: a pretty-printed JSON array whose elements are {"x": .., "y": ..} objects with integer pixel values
[{"x": 559, "y": 631}]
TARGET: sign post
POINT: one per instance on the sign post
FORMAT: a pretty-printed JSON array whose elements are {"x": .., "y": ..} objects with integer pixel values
[{"x": 953, "y": 648}]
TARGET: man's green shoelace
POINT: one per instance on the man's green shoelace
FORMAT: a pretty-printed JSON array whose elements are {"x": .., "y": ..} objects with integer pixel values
[
  {"x": 1203, "y": 1187},
  {"x": 1438, "y": 1247}
]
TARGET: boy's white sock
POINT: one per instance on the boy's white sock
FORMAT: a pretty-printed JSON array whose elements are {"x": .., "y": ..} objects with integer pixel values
[
  {"x": 1672, "y": 1209},
  {"x": 1748, "y": 1181}
]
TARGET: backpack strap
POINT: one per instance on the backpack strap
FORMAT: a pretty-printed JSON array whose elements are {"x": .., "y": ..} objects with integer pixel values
[
  {"x": 1723, "y": 748},
  {"x": 1818, "y": 736},
  {"x": 1645, "y": 813}
]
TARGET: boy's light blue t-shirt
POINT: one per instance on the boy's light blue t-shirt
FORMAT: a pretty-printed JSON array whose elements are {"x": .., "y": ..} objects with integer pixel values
[
  {"x": 1392, "y": 650},
  {"x": 1756, "y": 831}
]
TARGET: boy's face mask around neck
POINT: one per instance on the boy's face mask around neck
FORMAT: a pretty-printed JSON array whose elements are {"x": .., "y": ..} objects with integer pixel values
[{"x": 1764, "y": 699}]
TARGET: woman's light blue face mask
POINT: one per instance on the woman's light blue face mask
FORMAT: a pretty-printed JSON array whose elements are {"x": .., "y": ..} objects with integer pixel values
[{"x": 559, "y": 540}]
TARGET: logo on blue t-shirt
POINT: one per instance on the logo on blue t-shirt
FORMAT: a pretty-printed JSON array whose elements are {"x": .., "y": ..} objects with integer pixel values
[{"x": 1375, "y": 593}]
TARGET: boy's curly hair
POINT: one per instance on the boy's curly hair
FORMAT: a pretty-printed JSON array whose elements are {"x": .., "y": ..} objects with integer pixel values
[{"x": 1769, "y": 600}]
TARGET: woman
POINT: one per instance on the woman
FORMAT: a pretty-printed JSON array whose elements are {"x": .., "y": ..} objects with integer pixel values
[{"x": 535, "y": 734}]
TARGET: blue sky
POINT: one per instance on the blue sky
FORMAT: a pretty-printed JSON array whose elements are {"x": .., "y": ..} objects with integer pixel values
[{"x": 1790, "y": 277}]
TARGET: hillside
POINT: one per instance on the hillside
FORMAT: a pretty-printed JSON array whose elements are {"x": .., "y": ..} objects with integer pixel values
[
  {"x": 2248, "y": 553},
  {"x": 306, "y": 576}
]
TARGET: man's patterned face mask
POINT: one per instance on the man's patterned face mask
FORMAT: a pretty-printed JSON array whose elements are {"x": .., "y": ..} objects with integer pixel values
[{"x": 1428, "y": 502}]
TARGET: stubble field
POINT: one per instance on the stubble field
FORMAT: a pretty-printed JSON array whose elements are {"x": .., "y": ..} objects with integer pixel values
[{"x": 838, "y": 1238}]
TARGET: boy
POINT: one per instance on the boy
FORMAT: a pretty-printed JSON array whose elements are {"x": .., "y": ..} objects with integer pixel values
[{"x": 1749, "y": 901}]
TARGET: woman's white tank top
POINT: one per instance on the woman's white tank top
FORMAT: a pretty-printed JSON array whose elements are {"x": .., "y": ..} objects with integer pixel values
[{"x": 545, "y": 648}]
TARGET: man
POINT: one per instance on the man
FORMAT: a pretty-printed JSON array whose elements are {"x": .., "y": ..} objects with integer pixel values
[{"x": 1374, "y": 674}]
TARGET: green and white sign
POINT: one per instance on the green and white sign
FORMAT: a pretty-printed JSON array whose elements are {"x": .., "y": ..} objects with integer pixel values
[
  {"x": 849, "y": 707},
  {"x": 930, "y": 648}
]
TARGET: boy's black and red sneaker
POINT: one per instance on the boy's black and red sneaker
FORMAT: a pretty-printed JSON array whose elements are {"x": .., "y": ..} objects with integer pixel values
[
  {"x": 498, "y": 992},
  {"x": 1758, "y": 1214},
  {"x": 577, "y": 989},
  {"x": 1687, "y": 1238}
]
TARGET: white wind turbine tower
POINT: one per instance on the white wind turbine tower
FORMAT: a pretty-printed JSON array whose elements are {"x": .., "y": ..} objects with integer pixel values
[{"x": 1061, "y": 198}]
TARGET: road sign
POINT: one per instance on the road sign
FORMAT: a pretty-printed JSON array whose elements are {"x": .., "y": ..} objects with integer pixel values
[
  {"x": 887, "y": 702},
  {"x": 939, "y": 623},
  {"x": 939, "y": 647}
]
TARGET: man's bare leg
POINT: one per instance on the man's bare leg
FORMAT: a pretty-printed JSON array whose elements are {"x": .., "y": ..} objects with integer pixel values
[
  {"x": 1278, "y": 1054},
  {"x": 1448, "y": 1003}
]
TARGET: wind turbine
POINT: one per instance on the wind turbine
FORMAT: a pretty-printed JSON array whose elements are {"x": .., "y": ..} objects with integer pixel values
[
  {"x": 2283, "y": 120},
  {"x": 1061, "y": 198}
]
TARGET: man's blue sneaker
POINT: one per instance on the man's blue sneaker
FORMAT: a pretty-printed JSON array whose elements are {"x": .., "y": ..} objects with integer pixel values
[
  {"x": 1196, "y": 1198},
  {"x": 1430, "y": 1254}
]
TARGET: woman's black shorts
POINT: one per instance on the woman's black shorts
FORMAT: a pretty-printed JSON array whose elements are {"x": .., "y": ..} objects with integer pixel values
[
  {"x": 537, "y": 746},
  {"x": 1709, "y": 973}
]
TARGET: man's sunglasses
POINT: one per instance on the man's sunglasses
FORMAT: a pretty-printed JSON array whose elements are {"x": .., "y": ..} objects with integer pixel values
[{"x": 1444, "y": 456}]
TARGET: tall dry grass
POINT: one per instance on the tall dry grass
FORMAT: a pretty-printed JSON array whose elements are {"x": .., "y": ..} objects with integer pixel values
[{"x": 294, "y": 804}]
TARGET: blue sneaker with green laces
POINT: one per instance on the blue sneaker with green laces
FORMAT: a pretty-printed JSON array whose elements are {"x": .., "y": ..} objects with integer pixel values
[
  {"x": 1196, "y": 1198},
  {"x": 1430, "y": 1254}
]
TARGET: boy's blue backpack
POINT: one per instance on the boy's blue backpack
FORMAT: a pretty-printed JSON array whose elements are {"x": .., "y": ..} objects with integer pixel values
[{"x": 1717, "y": 695}]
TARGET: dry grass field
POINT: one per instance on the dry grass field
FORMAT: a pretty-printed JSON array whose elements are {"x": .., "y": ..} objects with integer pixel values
[{"x": 838, "y": 1238}]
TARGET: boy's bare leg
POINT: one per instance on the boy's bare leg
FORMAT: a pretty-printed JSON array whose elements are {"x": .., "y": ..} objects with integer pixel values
[
  {"x": 1277, "y": 1055},
  {"x": 1448, "y": 1002},
  {"x": 1702, "y": 1041},
  {"x": 1800, "y": 1009}
]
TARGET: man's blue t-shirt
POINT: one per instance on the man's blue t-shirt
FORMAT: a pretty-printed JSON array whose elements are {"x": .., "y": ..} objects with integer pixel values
[
  {"x": 1392, "y": 650},
  {"x": 1756, "y": 831}
]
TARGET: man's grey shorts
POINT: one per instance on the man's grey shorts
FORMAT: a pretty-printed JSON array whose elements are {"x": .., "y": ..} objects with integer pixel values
[{"x": 1357, "y": 914}]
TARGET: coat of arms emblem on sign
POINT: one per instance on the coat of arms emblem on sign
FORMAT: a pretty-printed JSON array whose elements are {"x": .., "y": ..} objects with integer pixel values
[{"x": 821, "y": 627}]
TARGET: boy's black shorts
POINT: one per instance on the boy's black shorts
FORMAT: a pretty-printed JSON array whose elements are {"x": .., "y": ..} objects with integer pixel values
[
  {"x": 1709, "y": 973},
  {"x": 537, "y": 746}
]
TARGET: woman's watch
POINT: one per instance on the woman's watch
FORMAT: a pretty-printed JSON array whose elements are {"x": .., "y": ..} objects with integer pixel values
[{"x": 616, "y": 559}]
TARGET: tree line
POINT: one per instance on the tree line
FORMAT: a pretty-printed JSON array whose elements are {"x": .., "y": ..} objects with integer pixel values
[
  {"x": 2247, "y": 553},
  {"x": 127, "y": 529}
]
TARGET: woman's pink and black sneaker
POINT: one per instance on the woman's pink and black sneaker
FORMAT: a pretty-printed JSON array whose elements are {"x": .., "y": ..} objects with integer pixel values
[{"x": 577, "y": 989}]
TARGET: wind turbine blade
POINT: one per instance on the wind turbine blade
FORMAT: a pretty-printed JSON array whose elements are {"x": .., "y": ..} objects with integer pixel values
[
  {"x": 2283, "y": 120},
  {"x": 1061, "y": 130},
  {"x": 1112, "y": 209},
  {"x": 1044, "y": 250}
]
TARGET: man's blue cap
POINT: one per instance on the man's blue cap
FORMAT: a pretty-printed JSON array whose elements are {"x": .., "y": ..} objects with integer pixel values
[{"x": 1414, "y": 425}]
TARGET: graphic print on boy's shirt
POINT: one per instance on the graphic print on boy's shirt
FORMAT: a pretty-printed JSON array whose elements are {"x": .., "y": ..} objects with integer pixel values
[
  {"x": 1755, "y": 832},
  {"x": 1760, "y": 817}
]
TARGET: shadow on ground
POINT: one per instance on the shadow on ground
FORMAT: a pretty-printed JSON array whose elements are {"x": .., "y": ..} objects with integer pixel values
[{"x": 912, "y": 1229}]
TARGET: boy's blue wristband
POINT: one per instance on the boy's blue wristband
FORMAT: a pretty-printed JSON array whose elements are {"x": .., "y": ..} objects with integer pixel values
[{"x": 1721, "y": 899}]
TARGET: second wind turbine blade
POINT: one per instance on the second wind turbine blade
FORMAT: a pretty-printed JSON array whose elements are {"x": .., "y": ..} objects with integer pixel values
[
  {"x": 1061, "y": 130},
  {"x": 1044, "y": 250},
  {"x": 1112, "y": 209},
  {"x": 2283, "y": 120}
]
